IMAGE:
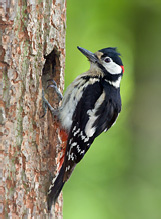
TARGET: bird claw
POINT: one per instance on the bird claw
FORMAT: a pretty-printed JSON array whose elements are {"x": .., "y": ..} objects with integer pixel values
[
  {"x": 54, "y": 85},
  {"x": 46, "y": 105}
]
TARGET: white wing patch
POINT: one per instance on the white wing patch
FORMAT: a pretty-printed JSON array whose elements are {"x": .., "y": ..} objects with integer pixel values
[
  {"x": 89, "y": 129},
  {"x": 71, "y": 98}
]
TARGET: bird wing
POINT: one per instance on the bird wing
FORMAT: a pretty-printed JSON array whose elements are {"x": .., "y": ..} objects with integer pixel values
[{"x": 94, "y": 114}]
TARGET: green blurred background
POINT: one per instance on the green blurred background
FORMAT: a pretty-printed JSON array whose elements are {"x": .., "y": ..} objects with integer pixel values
[{"x": 120, "y": 176}]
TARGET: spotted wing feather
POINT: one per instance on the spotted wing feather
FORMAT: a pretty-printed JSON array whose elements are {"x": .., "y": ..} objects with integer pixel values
[{"x": 94, "y": 113}]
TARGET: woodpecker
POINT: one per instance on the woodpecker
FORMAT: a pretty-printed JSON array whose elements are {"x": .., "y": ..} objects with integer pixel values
[{"x": 91, "y": 105}]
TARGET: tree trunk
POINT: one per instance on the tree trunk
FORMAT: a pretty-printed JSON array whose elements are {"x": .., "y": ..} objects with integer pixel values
[{"x": 32, "y": 50}]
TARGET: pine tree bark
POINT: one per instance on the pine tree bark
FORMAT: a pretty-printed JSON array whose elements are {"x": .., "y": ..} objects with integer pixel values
[{"x": 32, "y": 50}]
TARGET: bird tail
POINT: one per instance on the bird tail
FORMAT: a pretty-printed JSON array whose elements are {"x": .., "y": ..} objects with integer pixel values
[{"x": 55, "y": 188}]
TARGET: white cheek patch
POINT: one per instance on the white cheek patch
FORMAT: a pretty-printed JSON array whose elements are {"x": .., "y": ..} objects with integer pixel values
[{"x": 113, "y": 68}]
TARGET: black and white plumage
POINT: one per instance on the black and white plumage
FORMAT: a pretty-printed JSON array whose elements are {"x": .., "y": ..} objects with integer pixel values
[{"x": 90, "y": 106}]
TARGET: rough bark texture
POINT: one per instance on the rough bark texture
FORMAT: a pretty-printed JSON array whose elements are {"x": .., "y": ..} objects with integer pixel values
[{"x": 32, "y": 50}]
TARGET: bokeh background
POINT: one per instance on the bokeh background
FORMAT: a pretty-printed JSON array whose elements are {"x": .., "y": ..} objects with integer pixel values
[{"x": 120, "y": 176}]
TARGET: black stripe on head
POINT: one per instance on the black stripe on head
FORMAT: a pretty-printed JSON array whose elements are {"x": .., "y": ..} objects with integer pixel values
[{"x": 112, "y": 53}]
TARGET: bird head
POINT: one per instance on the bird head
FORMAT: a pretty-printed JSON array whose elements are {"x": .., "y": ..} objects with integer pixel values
[{"x": 108, "y": 60}]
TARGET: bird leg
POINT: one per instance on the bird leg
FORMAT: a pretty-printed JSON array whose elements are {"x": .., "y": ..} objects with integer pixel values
[
  {"x": 46, "y": 105},
  {"x": 54, "y": 85}
]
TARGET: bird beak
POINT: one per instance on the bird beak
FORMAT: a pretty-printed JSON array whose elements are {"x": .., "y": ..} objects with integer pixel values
[{"x": 91, "y": 56}]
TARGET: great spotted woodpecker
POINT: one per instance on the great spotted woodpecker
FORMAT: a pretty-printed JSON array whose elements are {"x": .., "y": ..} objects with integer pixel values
[{"x": 90, "y": 106}]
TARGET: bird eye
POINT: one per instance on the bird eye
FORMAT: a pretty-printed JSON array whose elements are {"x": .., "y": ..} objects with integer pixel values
[{"x": 107, "y": 60}]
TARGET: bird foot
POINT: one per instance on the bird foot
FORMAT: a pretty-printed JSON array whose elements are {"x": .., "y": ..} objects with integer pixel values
[
  {"x": 54, "y": 85},
  {"x": 46, "y": 105}
]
